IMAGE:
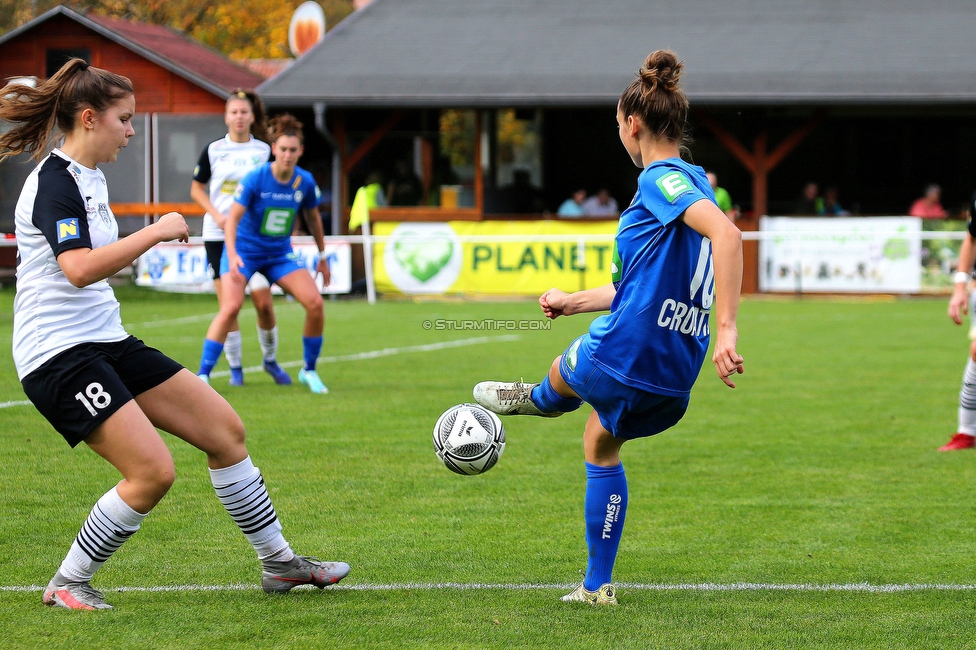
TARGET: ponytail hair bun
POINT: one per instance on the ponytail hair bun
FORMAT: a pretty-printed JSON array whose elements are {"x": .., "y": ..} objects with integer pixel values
[
  {"x": 656, "y": 97},
  {"x": 661, "y": 70}
]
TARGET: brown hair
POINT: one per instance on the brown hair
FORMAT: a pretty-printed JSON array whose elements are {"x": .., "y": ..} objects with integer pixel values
[
  {"x": 286, "y": 124},
  {"x": 259, "y": 127},
  {"x": 56, "y": 102},
  {"x": 655, "y": 98}
]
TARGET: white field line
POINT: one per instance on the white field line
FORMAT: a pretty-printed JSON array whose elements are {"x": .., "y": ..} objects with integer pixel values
[
  {"x": 856, "y": 587},
  {"x": 388, "y": 352},
  {"x": 358, "y": 356}
]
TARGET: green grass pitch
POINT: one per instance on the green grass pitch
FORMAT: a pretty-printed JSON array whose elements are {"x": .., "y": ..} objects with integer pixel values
[{"x": 807, "y": 497}]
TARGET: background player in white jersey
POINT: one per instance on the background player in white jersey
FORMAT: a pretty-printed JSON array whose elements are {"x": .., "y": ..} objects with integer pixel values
[
  {"x": 258, "y": 240},
  {"x": 222, "y": 164},
  {"x": 965, "y": 436},
  {"x": 79, "y": 367},
  {"x": 637, "y": 364}
]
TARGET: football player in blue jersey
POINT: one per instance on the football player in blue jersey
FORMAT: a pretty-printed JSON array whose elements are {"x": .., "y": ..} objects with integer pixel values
[
  {"x": 675, "y": 254},
  {"x": 258, "y": 240}
]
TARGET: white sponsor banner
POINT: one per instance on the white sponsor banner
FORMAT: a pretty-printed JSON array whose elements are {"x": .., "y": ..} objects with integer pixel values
[
  {"x": 850, "y": 255},
  {"x": 183, "y": 268}
]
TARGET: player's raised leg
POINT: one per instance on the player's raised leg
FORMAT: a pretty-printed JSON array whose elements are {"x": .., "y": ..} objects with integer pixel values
[
  {"x": 550, "y": 398},
  {"x": 207, "y": 421},
  {"x": 301, "y": 285}
]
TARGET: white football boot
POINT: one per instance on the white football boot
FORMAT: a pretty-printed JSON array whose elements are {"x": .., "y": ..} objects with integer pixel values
[{"x": 509, "y": 398}]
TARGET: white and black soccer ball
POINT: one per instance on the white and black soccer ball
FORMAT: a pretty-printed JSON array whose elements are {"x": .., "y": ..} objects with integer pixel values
[{"x": 469, "y": 439}]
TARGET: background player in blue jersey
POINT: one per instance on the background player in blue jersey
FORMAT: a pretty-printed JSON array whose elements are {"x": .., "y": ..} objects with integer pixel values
[
  {"x": 673, "y": 252},
  {"x": 258, "y": 240}
]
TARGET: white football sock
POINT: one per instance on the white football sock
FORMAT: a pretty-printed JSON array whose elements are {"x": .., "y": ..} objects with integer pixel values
[
  {"x": 109, "y": 524},
  {"x": 269, "y": 343},
  {"x": 241, "y": 490},
  {"x": 233, "y": 349},
  {"x": 967, "y": 400}
]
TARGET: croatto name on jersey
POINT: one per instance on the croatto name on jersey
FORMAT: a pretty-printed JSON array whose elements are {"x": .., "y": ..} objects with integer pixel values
[{"x": 684, "y": 318}]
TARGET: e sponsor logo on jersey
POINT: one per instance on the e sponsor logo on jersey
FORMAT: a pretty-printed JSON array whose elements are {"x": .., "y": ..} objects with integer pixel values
[
  {"x": 673, "y": 185},
  {"x": 68, "y": 229},
  {"x": 277, "y": 221}
]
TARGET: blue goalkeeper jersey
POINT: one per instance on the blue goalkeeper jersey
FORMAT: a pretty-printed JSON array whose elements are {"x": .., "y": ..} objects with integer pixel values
[
  {"x": 270, "y": 210},
  {"x": 656, "y": 334}
]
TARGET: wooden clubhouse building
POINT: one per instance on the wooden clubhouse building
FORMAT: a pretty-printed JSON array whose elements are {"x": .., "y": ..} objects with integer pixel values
[{"x": 509, "y": 104}]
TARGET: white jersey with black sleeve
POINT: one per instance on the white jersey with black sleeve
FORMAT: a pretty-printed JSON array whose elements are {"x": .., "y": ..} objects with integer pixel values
[
  {"x": 222, "y": 164},
  {"x": 64, "y": 205}
]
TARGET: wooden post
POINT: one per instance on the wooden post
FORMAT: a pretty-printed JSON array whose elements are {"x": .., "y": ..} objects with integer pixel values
[{"x": 759, "y": 164}]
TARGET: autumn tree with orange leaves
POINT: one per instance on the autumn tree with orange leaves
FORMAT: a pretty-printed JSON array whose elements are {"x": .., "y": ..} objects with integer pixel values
[{"x": 241, "y": 29}]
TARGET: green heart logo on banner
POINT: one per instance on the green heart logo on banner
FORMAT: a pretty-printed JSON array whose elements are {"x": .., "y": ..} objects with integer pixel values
[{"x": 423, "y": 258}]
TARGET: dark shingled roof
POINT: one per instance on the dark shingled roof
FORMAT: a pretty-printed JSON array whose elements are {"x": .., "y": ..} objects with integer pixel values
[
  {"x": 168, "y": 48},
  {"x": 584, "y": 52}
]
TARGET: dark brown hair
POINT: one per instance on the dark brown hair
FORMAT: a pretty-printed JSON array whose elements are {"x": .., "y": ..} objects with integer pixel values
[
  {"x": 259, "y": 127},
  {"x": 285, "y": 124},
  {"x": 55, "y": 103},
  {"x": 656, "y": 99}
]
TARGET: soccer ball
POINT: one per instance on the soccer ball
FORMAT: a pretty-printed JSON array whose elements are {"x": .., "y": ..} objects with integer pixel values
[{"x": 469, "y": 439}]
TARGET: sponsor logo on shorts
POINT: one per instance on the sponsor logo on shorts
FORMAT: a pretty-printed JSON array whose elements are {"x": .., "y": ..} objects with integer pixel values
[{"x": 572, "y": 354}]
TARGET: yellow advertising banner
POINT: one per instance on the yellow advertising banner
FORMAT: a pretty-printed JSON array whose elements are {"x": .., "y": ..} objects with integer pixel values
[{"x": 492, "y": 257}]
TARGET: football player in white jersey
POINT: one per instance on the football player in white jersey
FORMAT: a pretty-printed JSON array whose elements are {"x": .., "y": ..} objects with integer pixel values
[
  {"x": 90, "y": 379},
  {"x": 222, "y": 164}
]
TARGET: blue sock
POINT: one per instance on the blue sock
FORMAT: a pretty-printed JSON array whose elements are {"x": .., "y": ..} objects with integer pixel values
[
  {"x": 605, "y": 508},
  {"x": 545, "y": 397},
  {"x": 209, "y": 356},
  {"x": 312, "y": 345}
]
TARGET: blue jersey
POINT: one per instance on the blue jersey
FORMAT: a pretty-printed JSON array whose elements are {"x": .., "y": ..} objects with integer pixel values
[
  {"x": 656, "y": 333},
  {"x": 270, "y": 209}
]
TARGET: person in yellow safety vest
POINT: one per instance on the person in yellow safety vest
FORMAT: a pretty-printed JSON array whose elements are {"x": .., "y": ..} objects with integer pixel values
[{"x": 367, "y": 197}]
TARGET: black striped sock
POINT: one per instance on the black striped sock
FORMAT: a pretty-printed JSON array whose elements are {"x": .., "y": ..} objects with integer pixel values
[
  {"x": 243, "y": 494},
  {"x": 109, "y": 524}
]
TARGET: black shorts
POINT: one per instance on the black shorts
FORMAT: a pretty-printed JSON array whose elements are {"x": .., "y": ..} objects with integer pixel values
[
  {"x": 214, "y": 250},
  {"x": 81, "y": 387}
]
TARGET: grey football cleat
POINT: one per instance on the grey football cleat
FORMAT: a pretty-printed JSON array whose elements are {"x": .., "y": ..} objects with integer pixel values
[
  {"x": 62, "y": 592},
  {"x": 279, "y": 577},
  {"x": 605, "y": 595},
  {"x": 509, "y": 398}
]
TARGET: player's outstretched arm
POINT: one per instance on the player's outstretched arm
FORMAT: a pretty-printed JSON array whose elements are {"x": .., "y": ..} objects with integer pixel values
[
  {"x": 559, "y": 303},
  {"x": 705, "y": 218},
  {"x": 959, "y": 302},
  {"x": 84, "y": 266}
]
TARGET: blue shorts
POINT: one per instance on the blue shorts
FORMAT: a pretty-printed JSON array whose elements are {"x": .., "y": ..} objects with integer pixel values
[
  {"x": 273, "y": 267},
  {"x": 624, "y": 411}
]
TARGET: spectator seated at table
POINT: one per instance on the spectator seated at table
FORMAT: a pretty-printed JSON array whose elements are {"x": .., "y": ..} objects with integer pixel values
[
  {"x": 929, "y": 206},
  {"x": 573, "y": 206},
  {"x": 601, "y": 205}
]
